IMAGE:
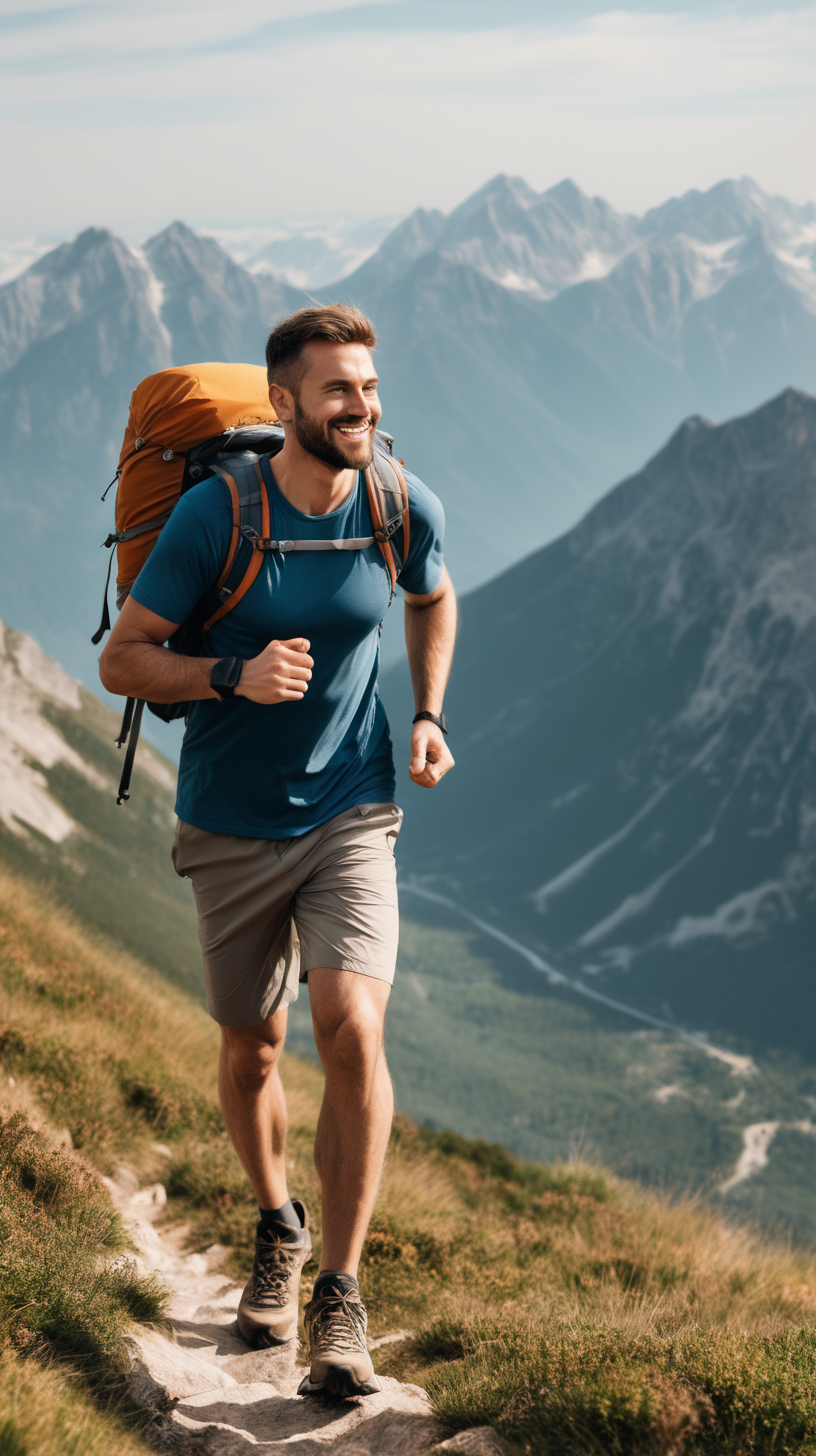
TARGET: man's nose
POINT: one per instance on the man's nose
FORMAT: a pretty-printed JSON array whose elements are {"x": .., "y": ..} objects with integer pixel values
[{"x": 358, "y": 404}]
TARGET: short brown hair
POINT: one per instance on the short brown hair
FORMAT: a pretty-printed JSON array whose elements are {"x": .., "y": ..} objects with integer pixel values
[{"x": 340, "y": 323}]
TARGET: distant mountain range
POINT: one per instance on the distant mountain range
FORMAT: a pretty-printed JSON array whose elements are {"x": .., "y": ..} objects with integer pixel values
[
  {"x": 633, "y": 714},
  {"x": 310, "y": 255},
  {"x": 534, "y": 348}
]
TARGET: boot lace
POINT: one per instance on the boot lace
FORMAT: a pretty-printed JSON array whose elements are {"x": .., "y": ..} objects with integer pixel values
[
  {"x": 275, "y": 1263},
  {"x": 338, "y": 1323}
]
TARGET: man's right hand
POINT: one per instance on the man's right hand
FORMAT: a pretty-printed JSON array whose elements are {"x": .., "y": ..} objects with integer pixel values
[{"x": 279, "y": 674}]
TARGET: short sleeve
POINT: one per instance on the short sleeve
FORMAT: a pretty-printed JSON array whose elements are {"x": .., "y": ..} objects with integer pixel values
[
  {"x": 189, "y": 555},
  {"x": 425, "y": 567}
]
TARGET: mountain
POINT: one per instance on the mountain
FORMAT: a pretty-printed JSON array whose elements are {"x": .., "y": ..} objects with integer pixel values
[
  {"x": 309, "y": 255},
  {"x": 729, "y": 210},
  {"x": 533, "y": 347},
  {"x": 61, "y": 827},
  {"x": 410, "y": 239},
  {"x": 210, "y": 306},
  {"x": 632, "y": 713},
  {"x": 78, "y": 330}
]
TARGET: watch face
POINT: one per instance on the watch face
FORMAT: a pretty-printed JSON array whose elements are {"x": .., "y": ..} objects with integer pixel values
[{"x": 225, "y": 676}]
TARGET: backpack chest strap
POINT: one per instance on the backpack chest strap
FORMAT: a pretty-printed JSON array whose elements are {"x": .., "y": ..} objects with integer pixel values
[{"x": 344, "y": 543}]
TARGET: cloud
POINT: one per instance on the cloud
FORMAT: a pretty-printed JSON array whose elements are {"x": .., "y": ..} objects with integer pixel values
[{"x": 141, "y": 109}]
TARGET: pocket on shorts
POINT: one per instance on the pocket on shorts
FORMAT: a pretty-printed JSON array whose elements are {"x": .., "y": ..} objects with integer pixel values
[
  {"x": 388, "y": 816},
  {"x": 177, "y": 852}
]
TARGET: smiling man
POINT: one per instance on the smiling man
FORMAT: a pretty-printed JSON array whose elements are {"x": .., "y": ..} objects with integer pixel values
[{"x": 287, "y": 821}]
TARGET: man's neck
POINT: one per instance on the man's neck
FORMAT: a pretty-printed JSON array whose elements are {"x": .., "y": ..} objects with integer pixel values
[{"x": 309, "y": 484}]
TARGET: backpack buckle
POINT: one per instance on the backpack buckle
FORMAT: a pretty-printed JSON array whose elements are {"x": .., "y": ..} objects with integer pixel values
[
  {"x": 265, "y": 543},
  {"x": 389, "y": 529}
]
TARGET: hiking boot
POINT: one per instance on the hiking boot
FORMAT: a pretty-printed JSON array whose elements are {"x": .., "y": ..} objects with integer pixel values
[
  {"x": 268, "y": 1312},
  {"x": 336, "y": 1331}
]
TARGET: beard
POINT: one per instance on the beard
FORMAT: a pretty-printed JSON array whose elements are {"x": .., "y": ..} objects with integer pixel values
[{"x": 318, "y": 440}]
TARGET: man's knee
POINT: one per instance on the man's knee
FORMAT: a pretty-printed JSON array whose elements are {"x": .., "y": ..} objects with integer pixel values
[
  {"x": 252, "y": 1052},
  {"x": 350, "y": 1039}
]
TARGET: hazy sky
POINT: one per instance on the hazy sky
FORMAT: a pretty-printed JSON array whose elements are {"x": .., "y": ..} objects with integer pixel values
[{"x": 129, "y": 115}]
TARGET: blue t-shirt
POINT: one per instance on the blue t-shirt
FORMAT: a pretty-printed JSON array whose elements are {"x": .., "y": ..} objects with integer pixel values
[{"x": 274, "y": 771}]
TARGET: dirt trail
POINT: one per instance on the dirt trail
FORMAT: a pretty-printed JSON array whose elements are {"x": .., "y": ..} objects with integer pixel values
[{"x": 210, "y": 1395}]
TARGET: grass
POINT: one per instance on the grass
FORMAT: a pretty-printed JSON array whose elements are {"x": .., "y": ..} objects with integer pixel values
[
  {"x": 598, "y": 1389},
  {"x": 66, "y": 1302},
  {"x": 569, "y": 1309},
  {"x": 61, "y": 1290},
  {"x": 43, "y": 1413}
]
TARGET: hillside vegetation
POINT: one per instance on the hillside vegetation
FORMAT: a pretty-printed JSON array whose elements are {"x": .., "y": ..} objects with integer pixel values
[{"x": 570, "y": 1310}]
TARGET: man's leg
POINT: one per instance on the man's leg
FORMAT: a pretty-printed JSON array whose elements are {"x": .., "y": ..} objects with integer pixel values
[
  {"x": 253, "y": 1103},
  {"x": 254, "y": 1109},
  {"x": 348, "y": 1010},
  {"x": 348, "y": 1013}
]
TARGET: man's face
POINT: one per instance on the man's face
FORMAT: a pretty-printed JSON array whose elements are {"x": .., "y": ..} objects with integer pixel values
[{"x": 335, "y": 410}]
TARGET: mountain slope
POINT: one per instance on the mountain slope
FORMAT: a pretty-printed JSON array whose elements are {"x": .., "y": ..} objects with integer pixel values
[
  {"x": 633, "y": 716},
  {"x": 539, "y": 1073},
  {"x": 211, "y": 307},
  {"x": 60, "y": 824},
  {"x": 518, "y": 1280}
]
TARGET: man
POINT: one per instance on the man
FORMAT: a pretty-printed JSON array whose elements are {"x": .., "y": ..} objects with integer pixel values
[{"x": 287, "y": 821}]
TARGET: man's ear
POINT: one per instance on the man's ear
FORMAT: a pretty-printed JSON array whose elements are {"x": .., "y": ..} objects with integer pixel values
[{"x": 282, "y": 402}]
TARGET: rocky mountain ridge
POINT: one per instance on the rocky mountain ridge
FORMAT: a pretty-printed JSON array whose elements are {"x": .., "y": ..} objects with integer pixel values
[
  {"x": 545, "y": 243},
  {"x": 633, "y": 715}
]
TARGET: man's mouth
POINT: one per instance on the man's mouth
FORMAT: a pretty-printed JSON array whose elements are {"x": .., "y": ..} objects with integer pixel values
[{"x": 354, "y": 432}]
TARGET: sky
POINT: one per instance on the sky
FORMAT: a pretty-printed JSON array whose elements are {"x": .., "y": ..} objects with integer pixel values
[{"x": 239, "y": 114}]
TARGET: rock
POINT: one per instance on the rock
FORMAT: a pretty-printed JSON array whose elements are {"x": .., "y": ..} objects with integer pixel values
[
  {"x": 162, "y": 1371},
  {"x": 394, "y": 1339},
  {"x": 151, "y": 1199},
  {"x": 210, "y": 1395},
  {"x": 479, "y": 1441}
]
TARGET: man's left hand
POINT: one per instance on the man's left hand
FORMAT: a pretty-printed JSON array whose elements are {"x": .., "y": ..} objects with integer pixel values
[{"x": 430, "y": 755}]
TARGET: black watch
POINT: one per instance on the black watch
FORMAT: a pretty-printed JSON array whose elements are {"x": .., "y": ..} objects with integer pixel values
[
  {"x": 432, "y": 718},
  {"x": 226, "y": 676}
]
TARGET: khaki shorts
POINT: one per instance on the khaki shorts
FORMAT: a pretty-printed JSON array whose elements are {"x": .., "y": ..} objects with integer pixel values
[{"x": 272, "y": 910}]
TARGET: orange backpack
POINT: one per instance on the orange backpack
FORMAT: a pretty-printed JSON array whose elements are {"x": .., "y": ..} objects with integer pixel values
[{"x": 199, "y": 420}]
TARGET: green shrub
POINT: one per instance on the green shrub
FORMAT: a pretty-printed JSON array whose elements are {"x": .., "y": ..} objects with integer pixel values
[{"x": 597, "y": 1390}]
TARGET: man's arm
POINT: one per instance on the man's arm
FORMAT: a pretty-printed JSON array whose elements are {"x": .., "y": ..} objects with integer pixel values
[
  {"x": 430, "y": 630},
  {"x": 136, "y": 664}
]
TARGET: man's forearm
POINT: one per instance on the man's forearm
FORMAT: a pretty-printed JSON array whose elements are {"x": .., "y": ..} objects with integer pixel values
[
  {"x": 145, "y": 670},
  {"x": 430, "y": 632}
]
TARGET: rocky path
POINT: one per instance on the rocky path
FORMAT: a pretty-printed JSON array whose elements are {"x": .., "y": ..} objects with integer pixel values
[{"x": 210, "y": 1395}]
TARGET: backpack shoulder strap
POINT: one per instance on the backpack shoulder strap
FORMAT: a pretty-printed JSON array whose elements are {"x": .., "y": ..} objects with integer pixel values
[
  {"x": 388, "y": 503},
  {"x": 250, "y": 518}
]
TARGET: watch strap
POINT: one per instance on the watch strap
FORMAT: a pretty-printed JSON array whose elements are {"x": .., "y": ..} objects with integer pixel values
[
  {"x": 439, "y": 720},
  {"x": 225, "y": 676}
]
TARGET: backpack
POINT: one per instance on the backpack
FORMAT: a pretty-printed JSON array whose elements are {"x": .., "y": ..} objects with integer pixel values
[{"x": 199, "y": 420}]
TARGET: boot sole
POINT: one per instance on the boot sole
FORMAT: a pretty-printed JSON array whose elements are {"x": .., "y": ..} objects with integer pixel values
[
  {"x": 340, "y": 1384},
  {"x": 261, "y": 1338}
]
